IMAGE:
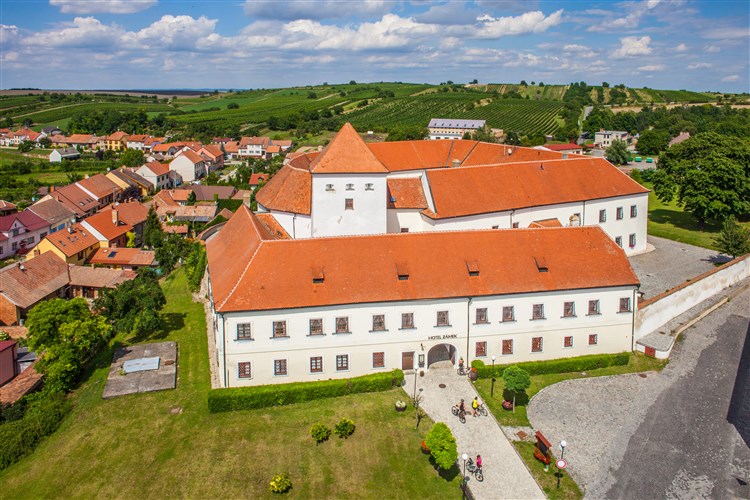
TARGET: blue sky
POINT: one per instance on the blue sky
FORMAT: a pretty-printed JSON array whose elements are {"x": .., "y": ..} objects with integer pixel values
[{"x": 121, "y": 44}]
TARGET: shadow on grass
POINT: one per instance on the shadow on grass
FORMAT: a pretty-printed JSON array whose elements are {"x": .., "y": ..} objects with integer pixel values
[
  {"x": 170, "y": 322},
  {"x": 449, "y": 474},
  {"x": 103, "y": 359},
  {"x": 522, "y": 399}
]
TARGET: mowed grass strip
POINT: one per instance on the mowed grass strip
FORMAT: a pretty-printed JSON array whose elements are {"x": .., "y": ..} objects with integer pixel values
[{"x": 135, "y": 447}]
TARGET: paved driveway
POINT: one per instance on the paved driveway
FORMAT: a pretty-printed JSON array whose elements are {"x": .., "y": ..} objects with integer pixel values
[
  {"x": 505, "y": 475},
  {"x": 681, "y": 433}
]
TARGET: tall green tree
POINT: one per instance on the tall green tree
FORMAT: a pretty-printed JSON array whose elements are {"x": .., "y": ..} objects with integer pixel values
[
  {"x": 153, "y": 234},
  {"x": 516, "y": 380},
  {"x": 708, "y": 174},
  {"x": 617, "y": 152},
  {"x": 442, "y": 445},
  {"x": 133, "y": 306},
  {"x": 652, "y": 142},
  {"x": 131, "y": 158},
  {"x": 733, "y": 239}
]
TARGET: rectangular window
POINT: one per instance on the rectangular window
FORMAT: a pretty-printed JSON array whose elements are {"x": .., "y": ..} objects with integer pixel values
[
  {"x": 619, "y": 213},
  {"x": 41, "y": 236},
  {"x": 378, "y": 360},
  {"x": 538, "y": 311},
  {"x": 509, "y": 313},
  {"x": 30, "y": 239},
  {"x": 442, "y": 318},
  {"x": 329, "y": 187},
  {"x": 350, "y": 187},
  {"x": 378, "y": 322},
  {"x": 342, "y": 324},
  {"x": 342, "y": 362},
  {"x": 633, "y": 211},
  {"x": 593, "y": 307},
  {"x": 569, "y": 310},
  {"x": 593, "y": 339},
  {"x": 536, "y": 344},
  {"x": 481, "y": 349},
  {"x": 568, "y": 341},
  {"x": 349, "y": 204},
  {"x": 482, "y": 315},
  {"x": 244, "y": 331},
  {"x": 515, "y": 225},
  {"x": 14, "y": 247},
  {"x": 279, "y": 367},
  {"x": 316, "y": 364},
  {"x": 496, "y": 227},
  {"x": 602, "y": 216},
  {"x": 316, "y": 326},
  {"x": 407, "y": 320},
  {"x": 631, "y": 241},
  {"x": 369, "y": 187},
  {"x": 618, "y": 240},
  {"x": 279, "y": 328},
  {"x": 244, "y": 370},
  {"x": 404, "y": 229},
  {"x": 625, "y": 304},
  {"x": 507, "y": 346}
]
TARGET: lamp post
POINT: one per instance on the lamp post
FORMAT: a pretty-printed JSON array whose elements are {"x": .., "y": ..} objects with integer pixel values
[
  {"x": 563, "y": 444},
  {"x": 465, "y": 458},
  {"x": 492, "y": 388}
]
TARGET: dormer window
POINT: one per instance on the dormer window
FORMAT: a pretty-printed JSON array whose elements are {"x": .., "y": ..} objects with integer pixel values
[
  {"x": 329, "y": 187},
  {"x": 402, "y": 270},
  {"x": 541, "y": 264},
  {"x": 350, "y": 187},
  {"x": 472, "y": 267},
  {"x": 369, "y": 187},
  {"x": 317, "y": 275}
]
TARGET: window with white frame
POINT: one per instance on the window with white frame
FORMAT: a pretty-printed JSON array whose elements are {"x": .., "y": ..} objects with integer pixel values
[
  {"x": 569, "y": 309},
  {"x": 244, "y": 331},
  {"x": 279, "y": 367},
  {"x": 349, "y": 204},
  {"x": 602, "y": 215},
  {"x": 593, "y": 307},
  {"x": 342, "y": 324},
  {"x": 620, "y": 213},
  {"x": 369, "y": 187},
  {"x": 329, "y": 187},
  {"x": 537, "y": 343},
  {"x": 442, "y": 318},
  {"x": 481, "y": 349},
  {"x": 378, "y": 322},
  {"x": 482, "y": 315},
  {"x": 507, "y": 346},
  {"x": 631, "y": 241},
  {"x": 316, "y": 326},
  {"x": 618, "y": 240},
  {"x": 625, "y": 304},
  {"x": 342, "y": 362},
  {"x": 279, "y": 328},
  {"x": 407, "y": 320},
  {"x": 316, "y": 364},
  {"x": 350, "y": 187},
  {"x": 378, "y": 360},
  {"x": 633, "y": 211},
  {"x": 568, "y": 341},
  {"x": 593, "y": 339},
  {"x": 244, "y": 370},
  {"x": 509, "y": 313},
  {"x": 537, "y": 311}
]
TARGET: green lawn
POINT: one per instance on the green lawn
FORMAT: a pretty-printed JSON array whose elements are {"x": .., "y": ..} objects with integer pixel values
[
  {"x": 135, "y": 447},
  {"x": 668, "y": 220},
  {"x": 548, "y": 479},
  {"x": 638, "y": 363}
]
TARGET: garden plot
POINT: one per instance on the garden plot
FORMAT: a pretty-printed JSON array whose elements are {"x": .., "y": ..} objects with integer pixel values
[{"x": 142, "y": 368}]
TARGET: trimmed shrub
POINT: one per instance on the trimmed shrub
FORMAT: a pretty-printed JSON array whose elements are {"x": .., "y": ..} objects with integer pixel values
[
  {"x": 344, "y": 428},
  {"x": 442, "y": 445},
  {"x": 43, "y": 415},
  {"x": 280, "y": 484},
  {"x": 263, "y": 396},
  {"x": 320, "y": 432},
  {"x": 565, "y": 365}
]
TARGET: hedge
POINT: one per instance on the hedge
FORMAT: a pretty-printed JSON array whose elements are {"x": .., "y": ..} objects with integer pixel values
[
  {"x": 263, "y": 396},
  {"x": 19, "y": 437},
  {"x": 565, "y": 365}
]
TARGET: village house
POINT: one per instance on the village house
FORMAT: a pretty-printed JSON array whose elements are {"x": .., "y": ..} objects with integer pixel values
[
  {"x": 56, "y": 214},
  {"x": 452, "y": 128},
  {"x": 123, "y": 258},
  {"x": 604, "y": 138},
  {"x": 100, "y": 188},
  {"x": 116, "y": 141},
  {"x": 7, "y": 208},
  {"x": 79, "y": 201},
  {"x": 58, "y": 155},
  {"x": 132, "y": 184},
  {"x": 108, "y": 228},
  {"x": 137, "y": 142},
  {"x": 158, "y": 174},
  {"x": 213, "y": 157},
  {"x": 89, "y": 282},
  {"x": 20, "y": 232},
  {"x": 256, "y": 179},
  {"x": 75, "y": 245},
  {"x": 190, "y": 165},
  {"x": 131, "y": 213},
  {"x": 569, "y": 148}
]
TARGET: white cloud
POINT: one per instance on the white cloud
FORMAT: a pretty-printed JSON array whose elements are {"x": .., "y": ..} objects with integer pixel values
[
  {"x": 173, "y": 32},
  {"x": 635, "y": 11},
  {"x": 681, "y": 48},
  {"x": 83, "y": 32},
  {"x": 712, "y": 49},
  {"x": 107, "y": 6},
  {"x": 652, "y": 67},
  {"x": 700, "y": 65},
  {"x": 731, "y": 78},
  {"x": 8, "y": 35},
  {"x": 726, "y": 33},
  {"x": 312, "y": 9},
  {"x": 529, "y": 22},
  {"x": 632, "y": 46}
]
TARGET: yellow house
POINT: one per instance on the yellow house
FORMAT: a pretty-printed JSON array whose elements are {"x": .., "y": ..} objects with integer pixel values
[
  {"x": 117, "y": 141},
  {"x": 74, "y": 245}
]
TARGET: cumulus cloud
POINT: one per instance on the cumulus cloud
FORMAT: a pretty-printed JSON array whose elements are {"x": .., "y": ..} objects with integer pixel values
[
  {"x": 173, "y": 32},
  {"x": 529, "y": 22},
  {"x": 320, "y": 9},
  {"x": 726, "y": 33},
  {"x": 681, "y": 48},
  {"x": 712, "y": 49},
  {"x": 449, "y": 13},
  {"x": 8, "y": 35},
  {"x": 634, "y": 12},
  {"x": 83, "y": 32},
  {"x": 731, "y": 78},
  {"x": 106, "y": 6},
  {"x": 652, "y": 67},
  {"x": 700, "y": 65},
  {"x": 632, "y": 46}
]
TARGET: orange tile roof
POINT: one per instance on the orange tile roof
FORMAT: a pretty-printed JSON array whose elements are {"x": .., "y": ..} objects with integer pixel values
[
  {"x": 103, "y": 224},
  {"x": 99, "y": 277},
  {"x": 70, "y": 243},
  {"x": 213, "y": 150},
  {"x": 232, "y": 147},
  {"x": 117, "y": 136},
  {"x": 192, "y": 156},
  {"x": 175, "y": 228},
  {"x": 347, "y": 153},
  {"x": 290, "y": 190},
  {"x": 81, "y": 139},
  {"x": 273, "y": 149},
  {"x": 123, "y": 257},
  {"x": 546, "y": 223},
  {"x": 272, "y": 226},
  {"x": 21, "y": 385},
  {"x": 25, "y": 284},
  {"x": 563, "y": 147},
  {"x": 99, "y": 185},
  {"x": 256, "y": 178},
  {"x": 131, "y": 212},
  {"x": 75, "y": 198},
  {"x": 458, "y": 192},
  {"x": 157, "y": 168},
  {"x": 138, "y": 138},
  {"x": 406, "y": 193},
  {"x": 250, "y": 271}
]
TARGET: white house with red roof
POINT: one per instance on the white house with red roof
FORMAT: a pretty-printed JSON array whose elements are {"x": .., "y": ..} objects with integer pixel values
[
  {"x": 158, "y": 174},
  {"x": 20, "y": 232},
  {"x": 190, "y": 165}
]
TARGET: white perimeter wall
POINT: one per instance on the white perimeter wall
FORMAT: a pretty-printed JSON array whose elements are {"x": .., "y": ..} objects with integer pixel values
[
  {"x": 614, "y": 330},
  {"x": 329, "y": 216},
  {"x": 298, "y": 226}
]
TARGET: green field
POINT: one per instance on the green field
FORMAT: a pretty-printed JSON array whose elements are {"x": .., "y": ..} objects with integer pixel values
[
  {"x": 62, "y": 113},
  {"x": 167, "y": 444}
]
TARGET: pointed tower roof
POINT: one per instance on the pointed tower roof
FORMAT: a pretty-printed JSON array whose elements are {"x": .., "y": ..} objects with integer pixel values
[{"x": 347, "y": 153}]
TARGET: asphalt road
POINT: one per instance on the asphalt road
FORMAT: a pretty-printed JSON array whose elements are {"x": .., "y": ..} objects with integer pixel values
[{"x": 694, "y": 441}]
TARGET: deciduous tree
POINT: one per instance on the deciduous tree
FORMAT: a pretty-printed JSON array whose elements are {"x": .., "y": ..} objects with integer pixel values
[
  {"x": 733, "y": 239},
  {"x": 617, "y": 152},
  {"x": 516, "y": 380},
  {"x": 442, "y": 445}
]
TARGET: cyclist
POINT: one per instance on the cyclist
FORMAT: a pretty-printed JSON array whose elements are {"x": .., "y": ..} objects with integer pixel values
[
  {"x": 475, "y": 406},
  {"x": 461, "y": 408},
  {"x": 461, "y": 365},
  {"x": 479, "y": 462}
]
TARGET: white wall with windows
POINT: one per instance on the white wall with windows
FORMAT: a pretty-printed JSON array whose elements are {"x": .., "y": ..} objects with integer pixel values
[
  {"x": 348, "y": 204},
  {"x": 296, "y": 225},
  {"x": 359, "y": 339}
]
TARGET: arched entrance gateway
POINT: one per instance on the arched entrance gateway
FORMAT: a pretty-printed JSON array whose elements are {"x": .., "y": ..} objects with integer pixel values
[{"x": 442, "y": 356}]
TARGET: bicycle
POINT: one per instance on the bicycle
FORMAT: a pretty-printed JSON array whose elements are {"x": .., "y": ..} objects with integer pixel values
[
  {"x": 474, "y": 470},
  {"x": 481, "y": 410},
  {"x": 461, "y": 414},
  {"x": 462, "y": 371}
]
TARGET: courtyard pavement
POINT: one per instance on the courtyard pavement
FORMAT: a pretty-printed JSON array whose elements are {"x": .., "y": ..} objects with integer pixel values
[
  {"x": 680, "y": 433},
  {"x": 670, "y": 264},
  {"x": 505, "y": 475}
]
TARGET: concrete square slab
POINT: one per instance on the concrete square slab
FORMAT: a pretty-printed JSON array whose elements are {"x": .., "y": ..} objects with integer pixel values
[{"x": 120, "y": 383}]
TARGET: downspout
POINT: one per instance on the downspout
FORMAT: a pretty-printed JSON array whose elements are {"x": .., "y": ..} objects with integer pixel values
[
  {"x": 294, "y": 226},
  {"x": 224, "y": 349},
  {"x": 468, "y": 328},
  {"x": 583, "y": 216},
  {"x": 632, "y": 321}
]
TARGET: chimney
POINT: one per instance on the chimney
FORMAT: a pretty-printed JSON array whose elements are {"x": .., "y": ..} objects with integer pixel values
[
  {"x": 70, "y": 229},
  {"x": 52, "y": 189},
  {"x": 86, "y": 176},
  {"x": 246, "y": 200},
  {"x": 115, "y": 218},
  {"x": 456, "y": 163}
]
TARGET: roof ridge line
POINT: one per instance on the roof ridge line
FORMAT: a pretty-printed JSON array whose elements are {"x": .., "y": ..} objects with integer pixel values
[{"x": 247, "y": 267}]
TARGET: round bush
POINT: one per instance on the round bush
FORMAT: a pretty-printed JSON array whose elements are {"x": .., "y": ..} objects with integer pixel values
[
  {"x": 344, "y": 428},
  {"x": 320, "y": 432},
  {"x": 280, "y": 483}
]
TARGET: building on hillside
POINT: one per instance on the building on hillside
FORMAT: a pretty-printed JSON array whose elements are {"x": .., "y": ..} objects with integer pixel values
[
  {"x": 190, "y": 165},
  {"x": 132, "y": 184},
  {"x": 51, "y": 131},
  {"x": 213, "y": 158},
  {"x": 75, "y": 245},
  {"x": 157, "y": 174},
  {"x": 77, "y": 200},
  {"x": 20, "y": 232},
  {"x": 56, "y": 214},
  {"x": 319, "y": 308},
  {"x": 108, "y": 228},
  {"x": 88, "y": 282},
  {"x": 117, "y": 141},
  {"x": 137, "y": 141},
  {"x": 256, "y": 179},
  {"x": 131, "y": 213},
  {"x": 25, "y": 284},
  {"x": 453, "y": 128},
  {"x": 58, "y": 155},
  {"x": 101, "y": 188},
  {"x": 253, "y": 147},
  {"x": 569, "y": 148},
  {"x": 354, "y": 188},
  {"x": 123, "y": 258},
  {"x": 232, "y": 150},
  {"x": 7, "y": 208},
  {"x": 604, "y": 138}
]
